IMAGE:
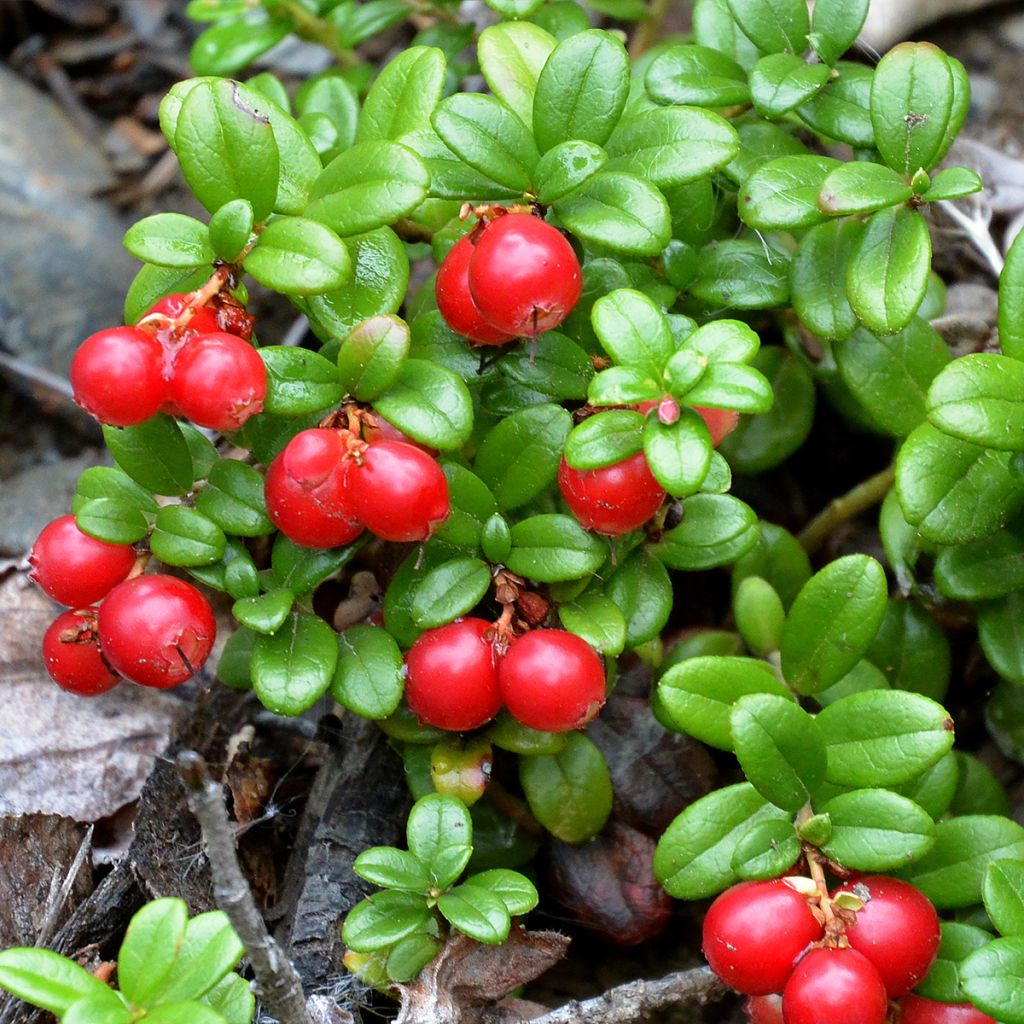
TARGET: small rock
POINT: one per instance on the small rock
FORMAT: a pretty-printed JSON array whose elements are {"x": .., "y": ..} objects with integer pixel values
[
  {"x": 1013, "y": 32},
  {"x": 986, "y": 95}
]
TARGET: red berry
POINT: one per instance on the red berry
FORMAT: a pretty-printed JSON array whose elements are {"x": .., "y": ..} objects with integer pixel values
[
  {"x": 218, "y": 381},
  {"x": 456, "y": 304},
  {"x": 381, "y": 430},
  {"x": 721, "y": 422},
  {"x": 156, "y": 630},
  {"x": 897, "y": 930},
  {"x": 552, "y": 680},
  {"x": 204, "y": 320},
  {"x": 71, "y": 653},
  {"x": 834, "y": 986},
  {"x": 305, "y": 491},
  {"x": 927, "y": 1011},
  {"x": 523, "y": 275},
  {"x": 755, "y": 932},
  {"x": 612, "y": 500},
  {"x": 451, "y": 678},
  {"x": 764, "y": 1009},
  {"x": 117, "y": 376},
  {"x": 399, "y": 492},
  {"x": 74, "y": 568}
]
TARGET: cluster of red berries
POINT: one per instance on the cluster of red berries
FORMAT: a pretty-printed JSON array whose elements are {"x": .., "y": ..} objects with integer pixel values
[
  {"x": 459, "y": 676},
  {"x": 154, "y": 630},
  {"x": 179, "y": 360},
  {"x": 512, "y": 276},
  {"x": 616, "y": 499},
  {"x": 326, "y": 485},
  {"x": 764, "y": 938}
]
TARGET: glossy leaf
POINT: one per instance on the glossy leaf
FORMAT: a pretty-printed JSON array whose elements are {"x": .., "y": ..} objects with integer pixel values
[
  {"x": 550, "y": 548},
  {"x": 299, "y": 381},
  {"x": 292, "y": 669},
  {"x": 512, "y": 55},
  {"x": 298, "y": 256},
  {"x": 404, "y": 95},
  {"x": 978, "y": 398},
  {"x": 877, "y": 830},
  {"x": 439, "y": 832},
  {"x": 783, "y": 194},
  {"x": 862, "y": 188},
  {"x": 698, "y": 76},
  {"x": 716, "y": 529}
]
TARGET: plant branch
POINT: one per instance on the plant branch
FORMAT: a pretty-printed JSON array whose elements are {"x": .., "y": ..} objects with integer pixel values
[
  {"x": 848, "y": 506},
  {"x": 978, "y": 234},
  {"x": 649, "y": 28},
  {"x": 278, "y": 985},
  {"x": 633, "y": 1002},
  {"x": 315, "y": 30}
]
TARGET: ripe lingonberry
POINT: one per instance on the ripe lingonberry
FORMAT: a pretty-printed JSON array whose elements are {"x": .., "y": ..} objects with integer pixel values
[
  {"x": 917, "y": 1010},
  {"x": 720, "y": 422},
  {"x": 552, "y": 680},
  {"x": 75, "y": 569},
  {"x": 451, "y": 679},
  {"x": 456, "y": 304},
  {"x": 897, "y": 930},
  {"x": 117, "y": 376},
  {"x": 523, "y": 275},
  {"x": 755, "y": 932},
  {"x": 764, "y": 1009},
  {"x": 398, "y": 492},
  {"x": 381, "y": 430},
  {"x": 612, "y": 500},
  {"x": 218, "y": 381},
  {"x": 156, "y": 630},
  {"x": 305, "y": 491},
  {"x": 71, "y": 653},
  {"x": 204, "y": 319},
  {"x": 834, "y": 986}
]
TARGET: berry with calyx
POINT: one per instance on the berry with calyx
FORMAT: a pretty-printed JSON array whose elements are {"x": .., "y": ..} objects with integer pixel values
[
  {"x": 305, "y": 491},
  {"x": 917, "y": 1010},
  {"x": 117, "y": 376},
  {"x": 75, "y": 569},
  {"x": 203, "y": 321},
  {"x": 398, "y": 492},
  {"x": 218, "y": 381},
  {"x": 451, "y": 676},
  {"x": 764, "y": 1009},
  {"x": 897, "y": 929},
  {"x": 755, "y": 932},
  {"x": 71, "y": 653},
  {"x": 612, "y": 500},
  {"x": 834, "y": 986},
  {"x": 523, "y": 275},
  {"x": 156, "y": 630},
  {"x": 456, "y": 304},
  {"x": 552, "y": 680}
]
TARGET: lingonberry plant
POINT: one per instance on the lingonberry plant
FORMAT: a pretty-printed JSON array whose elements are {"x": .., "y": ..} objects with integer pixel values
[{"x": 650, "y": 266}]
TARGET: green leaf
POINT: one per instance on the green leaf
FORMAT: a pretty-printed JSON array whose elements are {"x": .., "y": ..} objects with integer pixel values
[
  {"x": 233, "y": 499},
  {"x": 598, "y": 620},
  {"x": 783, "y": 194},
  {"x": 778, "y": 747},
  {"x": 876, "y": 830},
  {"x": 725, "y": 341},
  {"x": 699, "y": 694},
  {"x": 151, "y": 944},
  {"x": 226, "y": 146},
  {"x": 818, "y": 278},
  {"x": 943, "y": 982},
  {"x": 368, "y": 186},
  {"x": 679, "y": 455},
  {"x": 620, "y": 212},
  {"x": 714, "y": 26},
  {"x": 450, "y": 176},
  {"x": 978, "y": 398},
  {"x": 773, "y": 25},
  {"x": 604, "y": 439},
  {"x": 1011, "y": 301},
  {"x": 999, "y": 630},
  {"x": 641, "y": 587},
  {"x": 392, "y": 869},
  {"x": 184, "y": 536},
  {"x": 511, "y": 57},
  {"x": 911, "y": 104},
  {"x": 476, "y": 912},
  {"x": 912, "y": 650},
  {"x": 768, "y": 850},
  {"x": 369, "y": 675},
  {"x": 741, "y": 274},
  {"x": 384, "y": 919},
  {"x": 430, "y": 404},
  {"x": 266, "y": 613},
  {"x": 953, "y": 183},
  {"x": 472, "y": 507},
  {"x": 627, "y": 385},
  {"x": 990, "y": 978},
  {"x": 732, "y": 386},
  {"x": 516, "y": 891},
  {"x": 569, "y": 793},
  {"x": 581, "y": 91},
  {"x": 1003, "y": 894},
  {"x": 232, "y": 998},
  {"x": 553, "y": 366},
  {"x": 952, "y": 491},
  {"x": 184, "y": 1012},
  {"x": 693, "y": 859},
  {"x": 519, "y": 457},
  {"x": 862, "y": 188},
  {"x": 439, "y": 832},
  {"x": 716, "y": 530},
  {"x": 371, "y": 357},
  {"x": 154, "y": 454},
  {"x": 883, "y": 737},
  {"x": 209, "y": 951},
  {"x": 876, "y": 367},
  {"x": 759, "y": 613},
  {"x": 698, "y": 76},
  {"x": 632, "y": 330},
  {"x": 449, "y": 591},
  {"x": 410, "y": 955},
  {"x": 110, "y": 482},
  {"x": 299, "y": 381},
  {"x": 106, "y": 1009},
  {"x": 782, "y": 81},
  {"x": 549, "y": 548},
  {"x": 835, "y": 26},
  {"x": 777, "y": 557},
  {"x": 231, "y": 45},
  {"x": 510, "y": 734},
  {"x": 841, "y": 111},
  {"x": 404, "y": 95},
  {"x": 953, "y": 873},
  {"x": 565, "y": 167},
  {"x": 292, "y": 669},
  {"x": 888, "y": 272},
  {"x": 298, "y": 256},
  {"x": 170, "y": 240},
  {"x": 672, "y": 145},
  {"x": 47, "y": 980},
  {"x": 978, "y": 791},
  {"x": 112, "y": 520},
  {"x": 302, "y": 570}
]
